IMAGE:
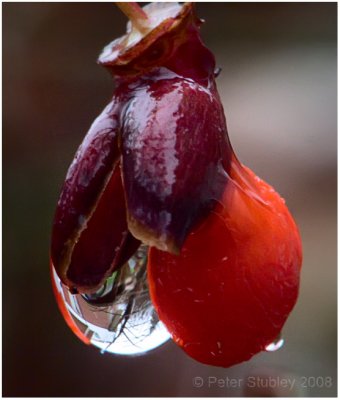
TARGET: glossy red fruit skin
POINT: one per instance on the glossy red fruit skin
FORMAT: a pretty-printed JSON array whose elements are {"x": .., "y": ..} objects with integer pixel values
[{"x": 229, "y": 292}]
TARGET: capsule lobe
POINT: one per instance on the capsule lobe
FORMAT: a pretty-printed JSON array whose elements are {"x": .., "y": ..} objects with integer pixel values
[
  {"x": 174, "y": 142},
  {"x": 89, "y": 228}
]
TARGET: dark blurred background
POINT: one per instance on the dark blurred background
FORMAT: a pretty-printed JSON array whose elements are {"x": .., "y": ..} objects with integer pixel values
[{"x": 279, "y": 90}]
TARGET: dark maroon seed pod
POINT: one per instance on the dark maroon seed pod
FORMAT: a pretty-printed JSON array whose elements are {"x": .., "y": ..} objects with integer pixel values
[{"x": 154, "y": 162}]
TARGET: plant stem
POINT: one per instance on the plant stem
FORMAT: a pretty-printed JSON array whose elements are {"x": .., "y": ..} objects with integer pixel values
[{"x": 136, "y": 15}]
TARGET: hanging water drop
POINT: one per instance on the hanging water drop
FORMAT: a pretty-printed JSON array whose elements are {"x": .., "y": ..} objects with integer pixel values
[
  {"x": 276, "y": 344},
  {"x": 119, "y": 318}
]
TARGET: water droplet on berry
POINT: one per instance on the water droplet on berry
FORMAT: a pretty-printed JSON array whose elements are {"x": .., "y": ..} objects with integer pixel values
[
  {"x": 276, "y": 344},
  {"x": 217, "y": 71},
  {"x": 119, "y": 318}
]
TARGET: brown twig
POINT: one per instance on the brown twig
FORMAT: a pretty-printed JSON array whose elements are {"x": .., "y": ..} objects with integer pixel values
[{"x": 136, "y": 15}]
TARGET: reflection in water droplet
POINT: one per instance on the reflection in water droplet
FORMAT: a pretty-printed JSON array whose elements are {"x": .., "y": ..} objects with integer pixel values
[
  {"x": 276, "y": 344},
  {"x": 119, "y": 318}
]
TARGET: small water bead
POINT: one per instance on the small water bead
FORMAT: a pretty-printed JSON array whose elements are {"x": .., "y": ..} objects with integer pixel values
[
  {"x": 119, "y": 318},
  {"x": 276, "y": 344}
]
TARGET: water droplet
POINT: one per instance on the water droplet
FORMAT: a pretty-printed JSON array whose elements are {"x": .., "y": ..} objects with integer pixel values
[
  {"x": 119, "y": 318},
  {"x": 276, "y": 344},
  {"x": 217, "y": 71}
]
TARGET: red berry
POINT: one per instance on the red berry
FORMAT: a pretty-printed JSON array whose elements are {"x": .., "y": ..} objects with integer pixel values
[
  {"x": 157, "y": 168},
  {"x": 229, "y": 292}
]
